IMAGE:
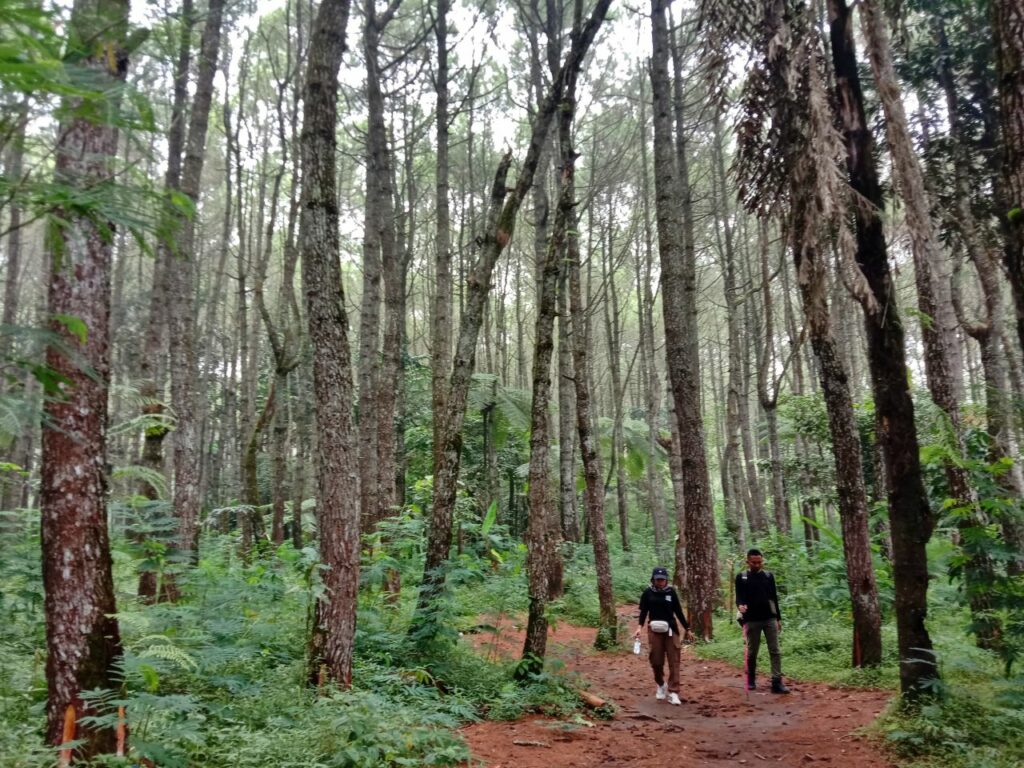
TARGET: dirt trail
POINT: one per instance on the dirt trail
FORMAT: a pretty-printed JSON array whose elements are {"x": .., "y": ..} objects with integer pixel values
[{"x": 718, "y": 724}]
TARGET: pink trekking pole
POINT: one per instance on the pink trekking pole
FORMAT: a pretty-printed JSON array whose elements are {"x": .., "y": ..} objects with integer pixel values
[{"x": 746, "y": 663}]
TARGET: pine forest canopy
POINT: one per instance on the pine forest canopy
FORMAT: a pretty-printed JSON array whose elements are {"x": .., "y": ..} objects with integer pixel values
[{"x": 338, "y": 309}]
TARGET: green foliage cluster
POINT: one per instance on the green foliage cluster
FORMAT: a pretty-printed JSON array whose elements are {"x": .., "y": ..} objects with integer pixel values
[{"x": 219, "y": 678}]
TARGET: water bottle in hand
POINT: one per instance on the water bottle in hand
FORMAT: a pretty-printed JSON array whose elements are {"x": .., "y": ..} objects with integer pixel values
[{"x": 636, "y": 646}]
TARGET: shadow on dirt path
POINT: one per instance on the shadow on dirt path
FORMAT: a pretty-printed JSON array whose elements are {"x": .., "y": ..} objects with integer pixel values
[{"x": 718, "y": 724}]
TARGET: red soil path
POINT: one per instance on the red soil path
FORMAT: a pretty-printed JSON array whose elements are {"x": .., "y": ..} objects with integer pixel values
[{"x": 718, "y": 723}]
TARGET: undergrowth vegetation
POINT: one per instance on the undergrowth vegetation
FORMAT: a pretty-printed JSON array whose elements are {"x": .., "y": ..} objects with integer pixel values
[{"x": 219, "y": 678}]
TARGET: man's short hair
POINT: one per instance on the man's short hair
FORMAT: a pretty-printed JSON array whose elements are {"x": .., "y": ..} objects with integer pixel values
[{"x": 754, "y": 553}]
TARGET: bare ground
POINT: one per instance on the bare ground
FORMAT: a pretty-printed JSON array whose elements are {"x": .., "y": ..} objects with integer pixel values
[{"x": 719, "y": 723}]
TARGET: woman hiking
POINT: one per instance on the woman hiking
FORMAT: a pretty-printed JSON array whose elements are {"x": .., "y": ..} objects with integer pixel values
[{"x": 660, "y": 604}]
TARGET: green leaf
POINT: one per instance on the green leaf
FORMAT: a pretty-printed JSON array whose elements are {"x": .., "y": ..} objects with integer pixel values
[
  {"x": 75, "y": 326},
  {"x": 489, "y": 518}
]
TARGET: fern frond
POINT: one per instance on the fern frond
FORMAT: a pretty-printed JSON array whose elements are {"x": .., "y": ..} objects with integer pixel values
[
  {"x": 171, "y": 653},
  {"x": 135, "y": 473}
]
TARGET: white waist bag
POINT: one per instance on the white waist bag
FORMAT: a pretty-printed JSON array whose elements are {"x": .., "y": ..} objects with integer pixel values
[{"x": 660, "y": 627}]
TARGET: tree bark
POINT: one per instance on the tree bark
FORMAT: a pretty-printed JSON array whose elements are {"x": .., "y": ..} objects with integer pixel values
[
  {"x": 1008, "y": 30},
  {"x": 566, "y": 418},
  {"x": 441, "y": 318},
  {"x": 925, "y": 245},
  {"x": 82, "y": 638},
  {"x": 181, "y": 291},
  {"x": 593, "y": 494},
  {"x": 613, "y": 333},
  {"x": 679, "y": 305},
  {"x": 979, "y": 570},
  {"x": 505, "y": 204},
  {"x": 909, "y": 514},
  {"x": 645, "y": 312},
  {"x": 805, "y": 231},
  {"x": 337, "y": 500}
]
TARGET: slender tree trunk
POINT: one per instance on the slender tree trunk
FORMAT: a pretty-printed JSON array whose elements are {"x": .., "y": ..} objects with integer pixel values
[
  {"x": 739, "y": 467},
  {"x": 11, "y": 485},
  {"x": 13, "y": 170},
  {"x": 909, "y": 514},
  {"x": 380, "y": 253},
  {"x": 925, "y": 244},
  {"x": 337, "y": 500},
  {"x": 566, "y": 419},
  {"x": 593, "y": 495},
  {"x": 505, "y": 204},
  {"x": 768, "y": 387},
  {"x": 82, "y": 638},
  {"x": 675, "y": 463},
  {"x": 182, "y": 290},
  {"x": 151, "y": 361},
  {"x": 613, "y": 333},
  {"x": 539, "y": 497},
  {"x": 679, "y": 305},
  {"x": 979, "y": 570},
  {"x": 301, "y": 454},
  {"x": 645, "y": 310},
  {"x": 441, "y": 319},
  {"x": 805, "y": 230},
  {"x": 1008, "y": 29},
  {"x": 369, "y": 314}
]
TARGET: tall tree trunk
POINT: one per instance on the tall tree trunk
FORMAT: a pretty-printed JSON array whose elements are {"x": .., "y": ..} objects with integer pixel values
[
  {"x": 337, "y": 506},
  {"x": 301, "y": 456},
  {"x": 380, "y": 252},
  {"x": 13, "y": 169},
  {"x": 369, "y": 314},
  {"x": 1008, "y": 29},
  {"x": 768, "y": 387},
  {"x": 566, "y": 419},
  {"x": 979, "y": 570},
  {"x": 182, "y": 290},
  {"x": 505, "y": 204},
  {"x": 593, "y": 494},
  {"x": 539, "y": 496},
  {"x": 675, "y": 463},
  {"x": 151, "y": 361},
  {"x": 679, "y": 305},
  {"x": 82, "y": 639},
  {"x": 645, "y": 311},
  {"x": 743, "y": 478},
  {"x": 441, "y": 317},
  {"x": 925, "y": 245},
  {"x": 11, "y": 485},
  {"x": 806, "y": 231},
  {"x": 613, "y": 334},
  {"x": 543, "y": 532},
  {"x": 909, "y": 514}
]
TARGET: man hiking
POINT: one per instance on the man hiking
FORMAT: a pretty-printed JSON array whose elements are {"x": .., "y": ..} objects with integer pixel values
[
  {"x": 757, "y": 600},
  {"x": 660, "y": 604}
]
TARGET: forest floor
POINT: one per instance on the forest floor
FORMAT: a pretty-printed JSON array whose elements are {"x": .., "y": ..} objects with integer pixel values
[{"x": 718, "y": 724}]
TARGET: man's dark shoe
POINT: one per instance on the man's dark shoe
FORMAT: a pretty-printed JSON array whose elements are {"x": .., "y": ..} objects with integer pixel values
[
  {"x": 751, "y": 679},
  {"x": 778, "y": 686}
]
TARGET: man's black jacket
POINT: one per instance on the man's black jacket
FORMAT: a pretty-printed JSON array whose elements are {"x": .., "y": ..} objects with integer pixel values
[{"x": 756, "y": 590}]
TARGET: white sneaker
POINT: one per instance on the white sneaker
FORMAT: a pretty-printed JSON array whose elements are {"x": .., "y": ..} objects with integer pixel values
[
  {"x": 673, "y": 698},
  {"x": 660, "y": 693}
]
